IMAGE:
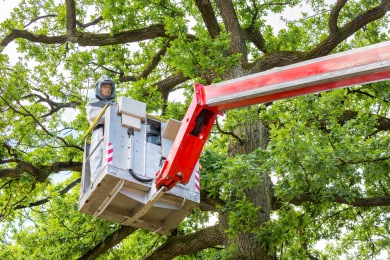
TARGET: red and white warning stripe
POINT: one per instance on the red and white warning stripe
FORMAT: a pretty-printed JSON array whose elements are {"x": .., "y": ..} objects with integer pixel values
[
  {"x": 110, "y": 153},
  {"x": 197, "y": 180}
]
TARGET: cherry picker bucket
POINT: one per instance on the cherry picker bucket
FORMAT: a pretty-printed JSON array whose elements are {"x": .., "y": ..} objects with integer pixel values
[{"x": 134, "y": 147}]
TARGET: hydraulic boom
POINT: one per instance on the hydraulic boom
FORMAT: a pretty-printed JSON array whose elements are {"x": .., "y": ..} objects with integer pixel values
[{"x": 360, "y": 66}]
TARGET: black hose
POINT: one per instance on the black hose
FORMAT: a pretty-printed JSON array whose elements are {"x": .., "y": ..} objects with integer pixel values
[
  {"x": 200, "y": 119},
  {"x": 139, "y": 178}
]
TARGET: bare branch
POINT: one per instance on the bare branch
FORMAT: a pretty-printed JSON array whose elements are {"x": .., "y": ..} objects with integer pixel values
[
  {"x": 40, "y": 17},
  {"x": 71, "y": 18},
  {"x": 360, "y": 92},
  {"x": 229, "y": 133},
  {"x": 379, "y": 159},
  {"x": 54, "y": 106},
  {"x": 47, "y": 131}
]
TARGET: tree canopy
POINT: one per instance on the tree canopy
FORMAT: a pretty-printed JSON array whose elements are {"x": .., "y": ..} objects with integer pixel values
[{"x": 302, "y": 178}]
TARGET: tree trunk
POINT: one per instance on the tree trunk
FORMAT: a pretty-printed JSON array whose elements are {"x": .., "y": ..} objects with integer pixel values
[{"x": 255, "y": 135}]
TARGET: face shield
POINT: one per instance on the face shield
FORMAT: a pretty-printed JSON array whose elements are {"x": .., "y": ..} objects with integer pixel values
[{"x": 104, "y": 80}]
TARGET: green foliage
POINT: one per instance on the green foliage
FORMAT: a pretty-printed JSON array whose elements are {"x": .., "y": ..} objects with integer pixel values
[
  {"x": 56, "y": 227},
  {"x": 137, "y": 245},
  {"x": 228, "y": 179},
  {"x": 324, "y": 147},
  {"x": 197, "y": 57},
  {"x": 196, "y": 221},
  {"x": 333, "y": 159}
]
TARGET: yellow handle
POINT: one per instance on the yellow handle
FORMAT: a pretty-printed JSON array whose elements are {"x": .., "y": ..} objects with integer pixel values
[{"x": 95, "y": 121}]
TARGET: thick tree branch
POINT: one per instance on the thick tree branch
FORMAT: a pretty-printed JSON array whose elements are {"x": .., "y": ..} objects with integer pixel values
[
  {"x": 256, "y": 38},
  {"x": 230, "y": 19},
  {"x": 39, "y": 172},
  {"x": 208, "y": 203},
  {"x": 334, "y": 15},
  {"x": 90, "y": 39},
  {"x": 252, "y": 33},
  {"x": 155, "y": 61},
  {"x": 123, "y": 78},
  {"x": 188, "y": 244},
  {"x": 70, "y": 16},
  {"x": 331, "y": 42},
  {"x": 382, "y": 125},
  {"x": 166, "y": 85},
  {"x": 209, "y": 18},
  {"x": 276, "y": 59},
  {"x": 357, "y": 202},
  {"x": 108, "y": 243}
]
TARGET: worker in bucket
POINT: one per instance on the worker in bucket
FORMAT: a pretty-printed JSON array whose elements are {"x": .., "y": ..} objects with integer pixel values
[{"x": 104, "y": 93}]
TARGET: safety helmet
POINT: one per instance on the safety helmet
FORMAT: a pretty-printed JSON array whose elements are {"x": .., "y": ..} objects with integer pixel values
[{"x": 104, "y": 80}]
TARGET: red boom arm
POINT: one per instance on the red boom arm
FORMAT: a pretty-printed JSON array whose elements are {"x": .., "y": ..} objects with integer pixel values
[{"x": 360, "y": 66}]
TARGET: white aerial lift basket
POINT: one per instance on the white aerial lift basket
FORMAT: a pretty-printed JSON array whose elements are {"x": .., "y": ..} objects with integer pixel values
[{"x": 134, "y": 148}]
